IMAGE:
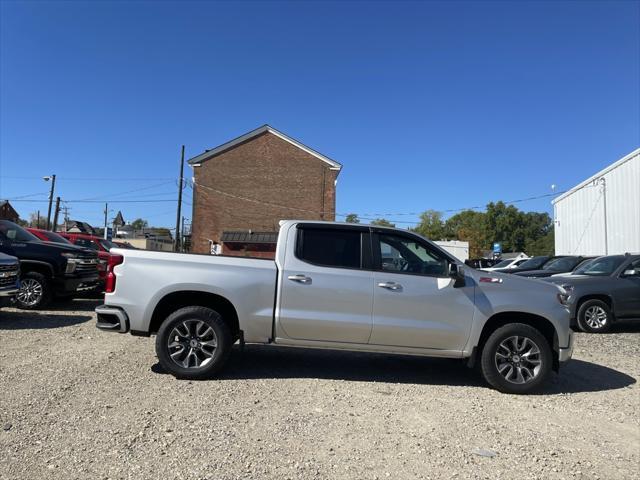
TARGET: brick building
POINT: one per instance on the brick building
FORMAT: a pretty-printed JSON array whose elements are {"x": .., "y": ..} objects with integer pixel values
[{"x": 243, "y": 188}]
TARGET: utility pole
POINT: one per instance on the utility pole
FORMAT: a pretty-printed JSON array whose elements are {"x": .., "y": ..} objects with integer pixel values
[
  {"x": 38, "y": 220},
  {"x": 182, "y": 232},
  {"x": 66, "y": 217},
  {"x": 177, "y": 240},
  {"x": 106, "y": 210},
  {"x": 57, "y": 212},
  {"x": 53, "y": 186}
]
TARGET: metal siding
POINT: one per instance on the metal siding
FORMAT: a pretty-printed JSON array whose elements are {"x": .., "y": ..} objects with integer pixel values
[{"x": 580, "y": 214}]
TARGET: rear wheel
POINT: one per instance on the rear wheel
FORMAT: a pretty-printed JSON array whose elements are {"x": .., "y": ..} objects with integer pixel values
[
  {"x": 594, "y": 316},
  {"x": 516, "y": 358},
  {"x": 35, "y": 291},
  {"x": 194, "y": 343}
]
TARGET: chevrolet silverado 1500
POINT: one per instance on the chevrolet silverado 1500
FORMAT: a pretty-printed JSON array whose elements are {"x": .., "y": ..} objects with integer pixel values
[{"x": 339, "y": 286}]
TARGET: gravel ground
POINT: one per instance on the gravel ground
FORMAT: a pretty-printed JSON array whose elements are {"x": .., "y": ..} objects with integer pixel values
[{"x": 80, "y": 403}]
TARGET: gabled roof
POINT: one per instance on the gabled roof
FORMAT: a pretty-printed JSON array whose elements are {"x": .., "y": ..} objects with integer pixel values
[{"x": 208, "y": 154}]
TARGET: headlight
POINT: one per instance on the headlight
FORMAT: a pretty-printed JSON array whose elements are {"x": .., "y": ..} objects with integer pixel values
[
  {"x": 565, "y": 294},
  {"x": 71, "y": 262}
]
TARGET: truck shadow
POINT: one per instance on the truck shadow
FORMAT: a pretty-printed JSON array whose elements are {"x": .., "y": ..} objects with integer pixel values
[
  {"x": 28, "y": 320},
  {"x": 281, "y": 362}
]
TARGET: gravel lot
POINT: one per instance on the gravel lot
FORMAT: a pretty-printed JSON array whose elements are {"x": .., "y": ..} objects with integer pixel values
[{"x": 79, "y": 403}]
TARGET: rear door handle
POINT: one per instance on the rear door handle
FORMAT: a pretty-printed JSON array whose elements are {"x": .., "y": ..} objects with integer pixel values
[
  {"x": 300, "y": 279},
  {"x": 390, "y": 286}
]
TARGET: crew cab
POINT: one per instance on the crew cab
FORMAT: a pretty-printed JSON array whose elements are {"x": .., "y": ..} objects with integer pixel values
[
  {"x": 339, "y": 286},
  {"x": 47, "y": 270},
  {"x": 9, "y": 276},
  {"x": 605, "y": 290}
]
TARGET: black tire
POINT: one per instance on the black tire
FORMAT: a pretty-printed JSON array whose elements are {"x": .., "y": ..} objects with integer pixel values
[
  {"x": 493, "y": 354},
  {"x": 212, "y": 361},
  {"x": 30, "y": 283},
  {"x": 594, "y": 316}
]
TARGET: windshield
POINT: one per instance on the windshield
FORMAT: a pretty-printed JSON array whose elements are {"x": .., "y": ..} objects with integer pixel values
[
  {"x": 534, "y": 263},
  {"x": 54, "y": 237},
  {"x": 16, "y": 233},
  {"x": 107, "y": 245},
  {"x": 503, "y": 263},
  {"x": 601, "y": 267},
  {"x": 562, "y": 264}
]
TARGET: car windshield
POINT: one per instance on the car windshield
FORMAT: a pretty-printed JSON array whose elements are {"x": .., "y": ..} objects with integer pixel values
[
  {"x": 534, "y": 263},
  {"x": 562, "y": 264},
  {"x": 54, "y": 237},
  {"x": 601, "y": 267},
  {"x": 107, "y": 245},
  {"x": 16, "y": 233},
  {"x": 503, "y": 263}
]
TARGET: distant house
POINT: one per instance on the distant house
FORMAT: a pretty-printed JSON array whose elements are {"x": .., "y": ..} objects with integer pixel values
[
  {"x": 243, "y": 188},
  {"x": 75, "y": 226},
  {"x": 7, "y": 212}
]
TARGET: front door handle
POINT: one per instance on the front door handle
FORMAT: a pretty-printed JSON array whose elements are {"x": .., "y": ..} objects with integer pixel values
[
  {"x": 300, "y": 279},
  {"x": 390, "y": 286}
]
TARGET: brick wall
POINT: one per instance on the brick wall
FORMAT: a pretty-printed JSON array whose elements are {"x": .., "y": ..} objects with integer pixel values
[{"x": 270, "y": 171}]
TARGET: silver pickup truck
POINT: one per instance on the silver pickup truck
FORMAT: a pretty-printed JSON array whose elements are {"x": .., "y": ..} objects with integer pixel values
[{"x": 339, "y": 286}]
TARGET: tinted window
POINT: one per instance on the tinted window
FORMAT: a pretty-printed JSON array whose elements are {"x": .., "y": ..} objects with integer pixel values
[
  {"x": 16, "y": 233},
  {"x": 601, "y": 267},
  {"x": 54, "y": 237},
  {"x": 534, "y": 263},
  {"x": 331, "y": 248},
  {"x": 563, "y": 264},
  {"x": 405, "y": 255},
  {"x": 82, "y": 242}
]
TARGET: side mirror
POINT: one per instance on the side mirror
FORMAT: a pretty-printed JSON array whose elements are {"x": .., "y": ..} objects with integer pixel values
[
  {"x": 457, "y": 273},
  {"x": 631, "y": 273}
]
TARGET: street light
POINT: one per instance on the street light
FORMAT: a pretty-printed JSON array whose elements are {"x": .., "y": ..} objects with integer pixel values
[{"x": 53, "y": 186}]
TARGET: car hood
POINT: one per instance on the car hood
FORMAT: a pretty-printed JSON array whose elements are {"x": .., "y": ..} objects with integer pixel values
[
  {"x": 577, "y": 279},
  {"x": 535, "y": 273},
  {"x": 7, "y": 259},
  {"x": 50, "y": 247}
]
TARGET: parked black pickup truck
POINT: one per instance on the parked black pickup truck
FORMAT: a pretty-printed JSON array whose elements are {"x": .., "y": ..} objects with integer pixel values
[{"x": 47, "y": 270}]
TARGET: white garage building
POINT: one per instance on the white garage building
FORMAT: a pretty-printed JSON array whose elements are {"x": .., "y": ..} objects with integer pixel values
[{"x": 601, "y": 216}]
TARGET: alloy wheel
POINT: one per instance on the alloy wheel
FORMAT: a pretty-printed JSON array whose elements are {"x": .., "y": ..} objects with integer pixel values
[
  {"x": 518, "y": 359},
  {"x": 30, "y": 292},
  {"x": 595, "y": 317},
  {"x": 192, "y": 344}
]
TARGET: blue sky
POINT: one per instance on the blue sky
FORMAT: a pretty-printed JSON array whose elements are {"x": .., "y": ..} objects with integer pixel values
[{"x": 441, "y": 105}]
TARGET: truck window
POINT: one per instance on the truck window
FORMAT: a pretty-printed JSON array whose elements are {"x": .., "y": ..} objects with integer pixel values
[
  {"x": 330, "y": 248},
  {"x": 406, "y": 255},
  {"x": 83, "y": 242}
]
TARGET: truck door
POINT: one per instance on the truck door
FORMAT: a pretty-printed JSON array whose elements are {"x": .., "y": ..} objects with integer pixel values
[
  {"x": 326, "y": 294},
  {"x": 415, "y": 303},
  {"x": 627, "y": 291}
]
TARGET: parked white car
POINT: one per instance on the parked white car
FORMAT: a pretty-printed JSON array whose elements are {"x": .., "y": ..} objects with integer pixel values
[
  {"x": 329, "y": 287},
  {"x": 508, "y": 263}
]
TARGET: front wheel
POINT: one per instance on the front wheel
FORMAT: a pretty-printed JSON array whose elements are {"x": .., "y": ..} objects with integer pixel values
[
  {"x": 594, "y": 316},
  {"x": 35, "y": 291},
  {"x": 193, "y": 343},
  {"x": 516, "y": 358}
]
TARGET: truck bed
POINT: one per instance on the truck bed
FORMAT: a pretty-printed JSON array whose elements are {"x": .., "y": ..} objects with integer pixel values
[{"x": 146, "y": 277}]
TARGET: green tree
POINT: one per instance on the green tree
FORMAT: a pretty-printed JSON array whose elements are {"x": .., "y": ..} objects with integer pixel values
[
  {"x": 352, "y": 218},
  {"x": 431, "y": 226},
  {"x": 139, "y": 224},
  {"x": 382, "y": 222},
  {"x": 469, "y": 226}
]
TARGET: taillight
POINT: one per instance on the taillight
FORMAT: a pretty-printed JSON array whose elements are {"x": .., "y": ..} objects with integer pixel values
[{"x": 110, "y": 281}]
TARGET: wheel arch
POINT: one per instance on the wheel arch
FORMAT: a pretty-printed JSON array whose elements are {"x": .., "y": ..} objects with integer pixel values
[
  {"x": 540, "y": 323},
  {"x": 186, "y": 298},
  {"x": 43, "y": 268},
  {"x": 596, "y": 296}
]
